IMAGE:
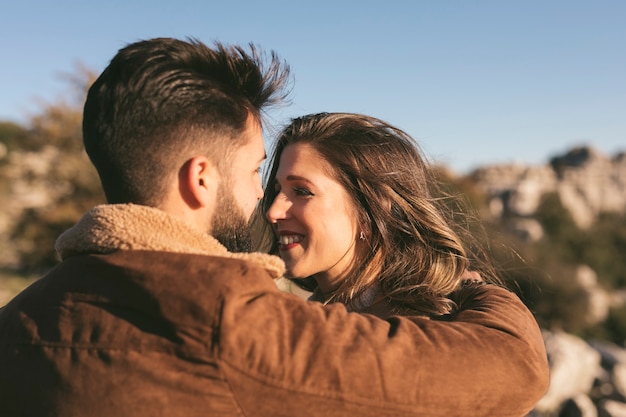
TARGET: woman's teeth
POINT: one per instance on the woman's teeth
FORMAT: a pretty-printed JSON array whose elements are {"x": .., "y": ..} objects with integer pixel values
[{"x": 288, "y": 240}]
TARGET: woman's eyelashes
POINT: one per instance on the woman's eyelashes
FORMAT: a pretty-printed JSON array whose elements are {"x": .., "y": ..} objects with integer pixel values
[
  {"x": 297, "y": 191},
  {"x": 302, "y": 192}
]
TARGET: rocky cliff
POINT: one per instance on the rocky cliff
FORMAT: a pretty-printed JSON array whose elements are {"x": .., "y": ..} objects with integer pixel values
[{"x": 586, "y": 181}]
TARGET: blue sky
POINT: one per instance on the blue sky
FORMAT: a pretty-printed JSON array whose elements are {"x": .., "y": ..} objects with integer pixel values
[{"x": 475, "y": 82}]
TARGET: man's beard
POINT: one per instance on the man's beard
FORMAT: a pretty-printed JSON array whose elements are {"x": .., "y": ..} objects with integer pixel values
[{"x": 229, "y": 224}]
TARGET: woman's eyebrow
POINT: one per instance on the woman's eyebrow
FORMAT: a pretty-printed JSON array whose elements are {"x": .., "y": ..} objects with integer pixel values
[{"x": 292, "y": 177}]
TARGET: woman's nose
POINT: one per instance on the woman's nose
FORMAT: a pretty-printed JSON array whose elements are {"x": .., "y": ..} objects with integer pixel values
[{"x": 278, "y": 209}]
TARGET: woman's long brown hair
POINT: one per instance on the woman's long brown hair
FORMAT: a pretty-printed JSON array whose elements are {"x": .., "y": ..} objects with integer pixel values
[{"x": 411, "y": 248}]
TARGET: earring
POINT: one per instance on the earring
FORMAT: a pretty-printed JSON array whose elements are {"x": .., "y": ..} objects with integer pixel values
[{"x": 362, "y": 235}]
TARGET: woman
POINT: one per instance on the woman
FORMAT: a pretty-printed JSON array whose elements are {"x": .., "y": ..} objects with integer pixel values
[
  {"x": 352, "y": 209},
  {"x": 357, "y": 218}
]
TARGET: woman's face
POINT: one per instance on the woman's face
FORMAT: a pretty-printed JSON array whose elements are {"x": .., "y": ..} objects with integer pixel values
[{"x": 313, "y": 217}]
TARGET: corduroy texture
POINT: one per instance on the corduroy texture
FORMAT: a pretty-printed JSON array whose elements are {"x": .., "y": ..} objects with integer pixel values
[{"x": 142, "y": 332}]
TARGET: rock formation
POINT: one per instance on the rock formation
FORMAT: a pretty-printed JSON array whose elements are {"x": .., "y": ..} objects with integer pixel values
[
  {"x": 586, "y": 181},
  {"x": 588, "y": 378}
]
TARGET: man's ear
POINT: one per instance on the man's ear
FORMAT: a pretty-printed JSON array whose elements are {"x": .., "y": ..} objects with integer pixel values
[{"x": 199, "y": 182}]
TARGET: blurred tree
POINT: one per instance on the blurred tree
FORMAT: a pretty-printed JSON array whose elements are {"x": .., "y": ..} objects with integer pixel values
[
  {"x": 562, "y": 234},
  {"x": 59, "y": 124},
  {"x": 603, "y": 246},
  {"x": 12, "y": 136},
  {"x": 65, "y": 173}
]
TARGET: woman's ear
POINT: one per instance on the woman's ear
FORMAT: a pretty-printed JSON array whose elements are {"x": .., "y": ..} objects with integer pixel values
[{"x": 199, "y": 182}]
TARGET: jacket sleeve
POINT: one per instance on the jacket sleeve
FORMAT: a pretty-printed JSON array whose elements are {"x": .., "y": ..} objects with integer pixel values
[{"x": 284, "y": 356}]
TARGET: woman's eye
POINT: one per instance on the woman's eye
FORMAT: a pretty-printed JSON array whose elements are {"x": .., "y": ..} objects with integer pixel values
[{"x": 302, "y": 192}]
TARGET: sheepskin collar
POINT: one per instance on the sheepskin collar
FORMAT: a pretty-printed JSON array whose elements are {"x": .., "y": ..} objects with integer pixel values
[{"x": 112, "y": 227}]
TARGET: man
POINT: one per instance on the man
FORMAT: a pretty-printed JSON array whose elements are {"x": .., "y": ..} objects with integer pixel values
[{"x": 156, "y": 309}]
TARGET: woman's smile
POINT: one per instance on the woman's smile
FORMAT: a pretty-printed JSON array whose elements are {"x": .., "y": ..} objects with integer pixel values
[
  {"x": 313, "y": 217},
  {"x": 289, "y": 240}
]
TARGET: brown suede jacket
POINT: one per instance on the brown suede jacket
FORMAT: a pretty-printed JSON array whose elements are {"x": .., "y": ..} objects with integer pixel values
[{"x": 147, "y": 317}]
